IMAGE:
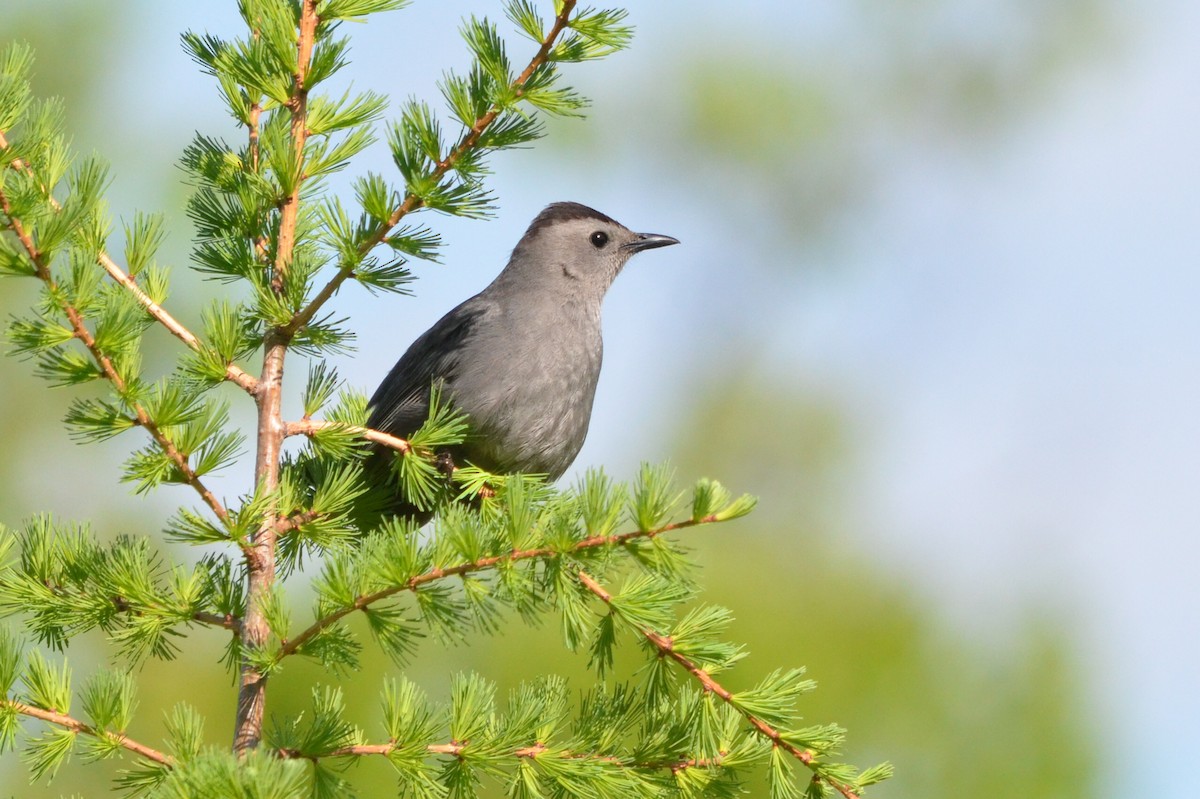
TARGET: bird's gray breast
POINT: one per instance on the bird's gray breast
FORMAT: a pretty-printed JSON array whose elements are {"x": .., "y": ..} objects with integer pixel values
[{"x": 528, "y": 388}]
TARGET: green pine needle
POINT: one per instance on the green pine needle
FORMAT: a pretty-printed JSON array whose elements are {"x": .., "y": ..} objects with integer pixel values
[
  {"x": 356, "y": 10},
  {"x": 46, "y": 753},
  {"x": 46, "y": 686},
  {"x": 322, "y": 383},
  {"x": 873, "y": 775},
  {"x": 472, "y": 707},
  {"x": 142, "y": 240},
  {"x": 108, "y": 700},
  {"x": 653, "y": 497},
  {"x": 485, "y": 43},
  {"x": 524, "y": 15}
]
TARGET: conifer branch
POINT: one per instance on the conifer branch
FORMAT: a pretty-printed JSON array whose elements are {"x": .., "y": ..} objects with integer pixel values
[
  {"x": 411, "y": 201},
  {"x": 666, "y": 648},
  {"x": 453, "y": 749},
  {"x": 456, "y": 749},
  {"x": 290, "y": 206},
  {"x": 82, "y": 728},
  {"x": 227, "y": 621},
  {"x": 261, "y": 559},
  {"x": 291, "y": 645},
  {"x": 310, "y": 427},
  {"x": 261, "y": 250},
  {"x": 286, "y": 524},
  {"x": 107, "y": 368},
  {"x": 252, "y": 133},
  {"x": 254, "y": 151},
  {"x": 233, "y": 373}
]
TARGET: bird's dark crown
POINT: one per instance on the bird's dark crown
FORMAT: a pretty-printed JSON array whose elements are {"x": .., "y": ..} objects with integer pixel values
[{"x": 565, "y": 212}]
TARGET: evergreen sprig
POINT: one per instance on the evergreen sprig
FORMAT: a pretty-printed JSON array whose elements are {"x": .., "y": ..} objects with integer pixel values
[
  {"x": 66, "y": 583},
  {"x": 769, "y": 708},
  {"x": 502, "y": 546}
]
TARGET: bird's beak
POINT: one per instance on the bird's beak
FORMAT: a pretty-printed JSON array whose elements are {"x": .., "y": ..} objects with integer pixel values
[{"x": 648, "y": 241}]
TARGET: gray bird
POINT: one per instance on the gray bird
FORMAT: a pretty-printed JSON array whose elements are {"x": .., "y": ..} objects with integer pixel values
[{"x": 522, "y": 357}]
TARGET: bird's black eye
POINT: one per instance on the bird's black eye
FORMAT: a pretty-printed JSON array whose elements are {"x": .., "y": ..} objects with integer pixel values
[{"x": 599, "y": 239}]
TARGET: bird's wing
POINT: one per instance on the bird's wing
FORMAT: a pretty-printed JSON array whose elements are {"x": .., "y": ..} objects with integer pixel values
[{"x": 401, "y": 403}]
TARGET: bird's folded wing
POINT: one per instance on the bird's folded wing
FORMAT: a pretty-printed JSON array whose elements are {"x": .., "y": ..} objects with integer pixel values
[{"x": 401, "y": 403}]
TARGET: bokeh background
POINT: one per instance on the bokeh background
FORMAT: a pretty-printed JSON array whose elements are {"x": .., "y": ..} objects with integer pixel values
[{"x": 935, "y": 304}]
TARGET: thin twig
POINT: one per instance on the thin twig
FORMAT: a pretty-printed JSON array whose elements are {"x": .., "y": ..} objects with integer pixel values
[
  {"x": 252, "y": 127},
  {"x": 291, "y": 645},
  {"x": 286, "y": 524},
  {"x": 455, "y": 749},
  {"x": 77, "y": 726},
  {"x": 310, "y": 427},
  {"x": 666, "y": 648},
  {"x": 261, "y": 249},
  {"x": 362, "y": 750},
  {"x": 412, "y": 202},
  {"x": 107, "y": 368},
  {"x": 233, "y": 373},
  {"x": 298, "y": 105},
  {"x": 227, "y": 621}
]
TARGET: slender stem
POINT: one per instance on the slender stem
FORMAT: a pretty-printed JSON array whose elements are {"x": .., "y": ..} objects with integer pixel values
[
  {"x": 260, "y": 562},
  {"x": 411, "y": 201},
  {"x": 228, "y": 620},
  {"x": 233, "y": 373},
  {"x": 310, "y": 427},
  {"x": 292, "y": 645},
  {"x": 362, "y": 750},
  {"x": 455, "y": 749},
  {"x": 261, "y": 249},
  {"x": 666, "y": 648},
  {"x": 77, "y": 726},
  {"x": 107, "y": 368},
  {"x": 252, "y": 124},
  {"x": 298, "y": 106}
]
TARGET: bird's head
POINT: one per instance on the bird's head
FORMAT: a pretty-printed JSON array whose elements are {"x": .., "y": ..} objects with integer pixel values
[{"x": 577, "y": 248}]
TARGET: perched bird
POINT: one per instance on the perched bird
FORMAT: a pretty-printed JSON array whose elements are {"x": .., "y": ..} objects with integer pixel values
[{"x": 522, "y": 357}]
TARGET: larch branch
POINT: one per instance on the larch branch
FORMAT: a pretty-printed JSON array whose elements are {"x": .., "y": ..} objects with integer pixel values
[
  {"x": 77, "y": 726},
  {"x": 228, "y": 621},
  {"x": 107, "y": 368},
  {"x": 291, "y": 645},
  {"x": 535, "y": 750},
  {"x": 261, "y": 249},
  {"x": 666, "y": 648},
  {"x": 233, "y": 373},
  {"x": 310, "y": 427}
]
